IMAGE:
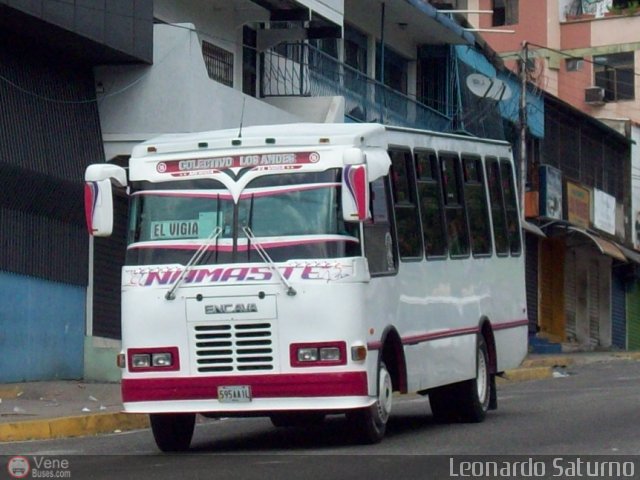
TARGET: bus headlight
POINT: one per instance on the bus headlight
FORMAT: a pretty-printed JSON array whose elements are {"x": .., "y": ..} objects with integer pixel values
[
  {"x": 161, "y": 360},
  {"x": 307, "y": 354},
  {"x": 318, "y": 354},
  {"x": 141, "y": 360},
  {"x": 330, "y": 354},
  {"x": 153, "y": 359}
]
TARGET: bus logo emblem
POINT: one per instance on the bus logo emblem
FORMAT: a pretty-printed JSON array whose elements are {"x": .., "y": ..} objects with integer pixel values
[{"x": 230, "y": 308}]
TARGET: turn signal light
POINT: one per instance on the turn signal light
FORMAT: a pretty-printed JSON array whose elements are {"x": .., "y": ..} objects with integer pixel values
[{"x": 358, "y": 353}]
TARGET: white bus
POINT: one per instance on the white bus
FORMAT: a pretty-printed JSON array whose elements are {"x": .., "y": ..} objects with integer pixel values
[{"x": 298, "y": 271}]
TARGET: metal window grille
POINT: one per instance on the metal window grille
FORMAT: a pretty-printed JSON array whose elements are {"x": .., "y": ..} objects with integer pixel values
[{"x": 219, "y": 63}]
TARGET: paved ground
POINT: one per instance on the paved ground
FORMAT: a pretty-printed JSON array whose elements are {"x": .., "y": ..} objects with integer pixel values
[{"x": 41, "y": 410}]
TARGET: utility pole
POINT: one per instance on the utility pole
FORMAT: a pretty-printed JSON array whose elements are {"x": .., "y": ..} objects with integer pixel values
[
  {"x": 381, "y": 63},
  {"x": 523, "y": 126}
]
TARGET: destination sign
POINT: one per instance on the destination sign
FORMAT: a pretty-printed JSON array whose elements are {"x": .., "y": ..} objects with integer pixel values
[
  {"x": 175, "y": 229},
  {"x": 183, "y": 229},
  {"x": 194, "y": 166}
]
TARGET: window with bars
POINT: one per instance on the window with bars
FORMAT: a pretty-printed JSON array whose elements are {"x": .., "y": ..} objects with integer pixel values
[{"x": 219, "y": 63}]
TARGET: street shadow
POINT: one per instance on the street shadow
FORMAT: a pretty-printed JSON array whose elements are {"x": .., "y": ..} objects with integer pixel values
[{"x": 334, "y": 432}]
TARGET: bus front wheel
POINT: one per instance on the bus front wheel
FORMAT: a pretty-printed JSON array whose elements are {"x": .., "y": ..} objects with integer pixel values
[
  {"x": 370, "y": 423},
  {"x": 172, "y": 431}
]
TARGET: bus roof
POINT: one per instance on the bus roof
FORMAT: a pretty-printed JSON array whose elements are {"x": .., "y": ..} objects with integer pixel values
[{"x": 286, "y": 135}]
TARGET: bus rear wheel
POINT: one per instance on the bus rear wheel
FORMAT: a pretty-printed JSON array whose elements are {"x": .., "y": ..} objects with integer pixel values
[
  {"x": 475, "y": 394},
  {"x": 466, "y": 401},
  {"x": 172, "y": 431},
  {"x": 370, "y": 423}
]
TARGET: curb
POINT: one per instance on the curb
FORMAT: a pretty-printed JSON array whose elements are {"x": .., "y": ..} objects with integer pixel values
[
  {"x": 627, "y": 355},
  {"x": 72, "y": 426},
  {"x": 550, "y": 361},
  {"x": 525, "y": 374}
]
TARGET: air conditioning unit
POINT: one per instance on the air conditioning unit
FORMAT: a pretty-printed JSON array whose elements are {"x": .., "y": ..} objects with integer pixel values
[{"x": 594, "y": 95}]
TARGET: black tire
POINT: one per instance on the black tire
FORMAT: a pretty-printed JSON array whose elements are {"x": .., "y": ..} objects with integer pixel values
[
  {"x": 172, "y": 431},
  {"x": 475, "y": 394},
  {"x": 296, "y": 419},
  {"x": 443, "y": 403},
  {"x": 466, "y": 401},
  {"x": 370, "y": 423}
]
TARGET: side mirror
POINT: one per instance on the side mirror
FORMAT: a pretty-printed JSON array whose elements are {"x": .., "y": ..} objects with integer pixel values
[
  {"x": 355, "y": 187},
  {"x": 98, "y": 197}
]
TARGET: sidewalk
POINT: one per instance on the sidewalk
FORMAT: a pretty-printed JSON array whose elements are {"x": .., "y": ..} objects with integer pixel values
[
  {"x": 54, "y": 409},
  {"x": 43, "y": 410}
]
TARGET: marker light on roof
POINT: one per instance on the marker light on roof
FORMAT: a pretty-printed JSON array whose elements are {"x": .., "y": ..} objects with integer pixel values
[
  {"x": 270, "y": 141},
  {"x": 324, "y": 140},
  {"x": 203, "y": 145},
  {"x": 152, "y": 149},
  {"x": 236, "y": 142}
]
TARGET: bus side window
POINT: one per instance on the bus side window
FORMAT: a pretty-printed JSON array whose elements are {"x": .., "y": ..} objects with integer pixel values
[
  {"x": 475, "y": 197},
  {"x": 458, "y": 232},
  {"x": 511, "y": 206},
  {"x": 379, "y": 245},
  {"x": 497, "y": 206},
  {"x": 405, "y": 204},
  {"x": 431, "y": 208}
]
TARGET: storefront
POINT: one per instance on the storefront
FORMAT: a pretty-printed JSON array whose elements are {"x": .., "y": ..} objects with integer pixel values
[{"x": 585, "y": 292}]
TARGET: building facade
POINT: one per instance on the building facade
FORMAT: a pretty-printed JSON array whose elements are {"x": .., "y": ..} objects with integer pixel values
[
  {"x": 50, "y": 129},
  {"x": 583, "y": 53}
]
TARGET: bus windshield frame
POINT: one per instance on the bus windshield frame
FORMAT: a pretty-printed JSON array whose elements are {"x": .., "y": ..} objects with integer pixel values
[{"x": 293, "y": 216}]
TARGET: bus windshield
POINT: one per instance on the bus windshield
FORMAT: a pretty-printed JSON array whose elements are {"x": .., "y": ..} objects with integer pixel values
[{"x": 292, "y": 216}]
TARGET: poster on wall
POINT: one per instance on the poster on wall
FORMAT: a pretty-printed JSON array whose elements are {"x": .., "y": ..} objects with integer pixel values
[
  {"x": 550, "y": 192},
  {"x": 578, "y": 205},
  {"x": 604, "y": 212}
]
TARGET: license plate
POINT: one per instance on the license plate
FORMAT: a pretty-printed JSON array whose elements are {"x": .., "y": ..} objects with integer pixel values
[{"x": 234, "y": 394}]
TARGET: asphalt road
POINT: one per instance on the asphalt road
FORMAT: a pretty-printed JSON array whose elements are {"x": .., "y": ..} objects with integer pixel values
[{"x": 592, "y": 411}]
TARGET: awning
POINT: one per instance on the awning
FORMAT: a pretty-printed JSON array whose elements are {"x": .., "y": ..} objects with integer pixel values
[
  {"x": 631, "y": 255},
  {"x": 531, "y": 228},
  {"x": 606, "y": 247}
]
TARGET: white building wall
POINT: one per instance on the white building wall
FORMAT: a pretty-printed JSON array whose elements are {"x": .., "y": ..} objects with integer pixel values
[
  {"x": 330, "y": 9},
  {"x": 173, "y": 95}
]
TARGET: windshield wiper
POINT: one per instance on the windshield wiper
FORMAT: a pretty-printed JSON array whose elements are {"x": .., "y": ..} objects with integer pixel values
[
  {"x": 267, "y": 259},
  {"x": 171, "y": 294}
]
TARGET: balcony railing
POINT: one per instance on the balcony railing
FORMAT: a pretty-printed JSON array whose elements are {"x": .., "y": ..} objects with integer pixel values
[{"x": 299, "y": 69}]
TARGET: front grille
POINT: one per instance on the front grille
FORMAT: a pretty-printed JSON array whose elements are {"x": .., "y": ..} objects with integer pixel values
[{"x": 234, "y": 347}]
